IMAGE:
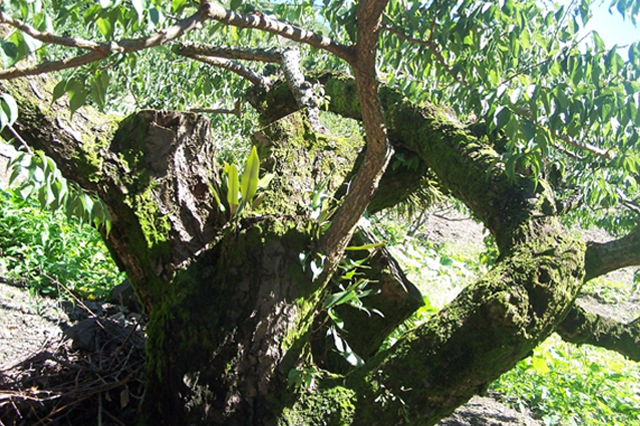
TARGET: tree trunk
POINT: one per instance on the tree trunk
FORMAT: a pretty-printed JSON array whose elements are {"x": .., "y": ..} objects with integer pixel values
[{"x": 233, "y": 311}]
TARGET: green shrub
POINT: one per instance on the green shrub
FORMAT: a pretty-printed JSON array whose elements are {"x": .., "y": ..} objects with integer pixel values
[
  {"x": 568, "y": 385},
  {"x": 40, "y": 249}
]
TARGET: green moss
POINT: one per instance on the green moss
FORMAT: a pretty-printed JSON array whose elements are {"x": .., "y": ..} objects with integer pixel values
[
  {"x": 301, "y": 161},
  {"x": 331, "y": 407}
]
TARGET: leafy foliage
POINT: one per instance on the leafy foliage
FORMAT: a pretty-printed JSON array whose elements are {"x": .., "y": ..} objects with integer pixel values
[
  {"x": 40, "y": 178},
  {"x": 40, "y": 249},
  {"x": 241, "y": 192},
  {"x": 568, "y": 385}
]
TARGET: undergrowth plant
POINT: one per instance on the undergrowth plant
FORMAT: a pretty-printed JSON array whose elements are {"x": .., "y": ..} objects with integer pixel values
[
  {"x": 568, "y": 385},
  {"x": 40, "y": 249}
]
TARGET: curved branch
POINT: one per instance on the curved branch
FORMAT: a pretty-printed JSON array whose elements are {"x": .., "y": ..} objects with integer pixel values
[
  {"x": 261, "y": 55},
  {"x": 601, "y": 258},
  {"x": 378, "y": 150},
  {"x": 262, "y": 22},
  {"x": 582, "y": 327}
]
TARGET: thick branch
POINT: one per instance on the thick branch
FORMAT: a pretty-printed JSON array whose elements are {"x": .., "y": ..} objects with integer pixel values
[
  {"x": 265, "y": 23},
  {"x": 233, "y": 66},
  {"x": 105, "y": 49},
  {"x": 239, "y": 53},
  {"x": 484, "y": 332},
  {"x": 582, "y": 327},
  {"x": 606, "y": 257}
]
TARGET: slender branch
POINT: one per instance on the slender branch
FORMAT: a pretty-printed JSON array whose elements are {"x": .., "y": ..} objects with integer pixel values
[
  {"x": 261, "y": 55},
  {"x": 124, "y": 46},
  {"x": 429, "y": 44},
  {"x": 51, "y": 38},
  {"x": 582, "y": 327},
  {"x": 19, "y": 138},
  {"x": 378, "y": 150},
  {"x": 214, "y": 111},
  {"x": 601, "y": 258},
  {"x": 266, "y": 23},
  {"x": 244, "y": 72},
  {"x": 301, "y": 89},
  {"x": 584, "y": 146}
]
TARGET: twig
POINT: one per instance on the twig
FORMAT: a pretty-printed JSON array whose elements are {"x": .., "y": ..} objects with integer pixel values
[
  {"x": 213, "y": 111},
  {"x": 19, "y": 138},
  {"x": 117, "y": 352},
  {"x": 272, "y": 55},
  {"x": 235, "y": 67},
  {"x": 584, "y": 146},
  {"x": 51, "y": 38},
  {"x": 429, "y": 44}
]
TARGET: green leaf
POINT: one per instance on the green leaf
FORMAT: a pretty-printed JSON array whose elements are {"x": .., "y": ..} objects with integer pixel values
[
  {"x": 502, "y": 118},
  {"x": 249, "y": 180},
  {"x": 265, "y": 180},
  {"x": 232, "y": 188},
  {"x": 598, "y": 42},
  {"x": 365, "y": 247},
  {"x": 216, "y": 197},
  {"x": 105, "y": 26},
  {"x": 8, "y": 53},
  {"x": 59, "y": 90},
  {"x": 138, "y": 6},
  {"x": 9, "y": 107}
]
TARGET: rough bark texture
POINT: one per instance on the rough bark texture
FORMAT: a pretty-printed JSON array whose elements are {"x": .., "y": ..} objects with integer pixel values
[{"x": 232, "y": 308}]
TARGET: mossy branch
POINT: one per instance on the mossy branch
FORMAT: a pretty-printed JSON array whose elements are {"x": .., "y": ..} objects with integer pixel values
[{"x": 582, "y": 327}]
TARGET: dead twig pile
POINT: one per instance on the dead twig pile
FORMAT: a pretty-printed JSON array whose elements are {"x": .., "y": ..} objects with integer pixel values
[{"x": 63, "y": 386}]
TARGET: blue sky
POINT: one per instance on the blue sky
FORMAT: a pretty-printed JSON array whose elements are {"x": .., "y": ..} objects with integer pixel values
[{"x": 610, "y": 26}]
